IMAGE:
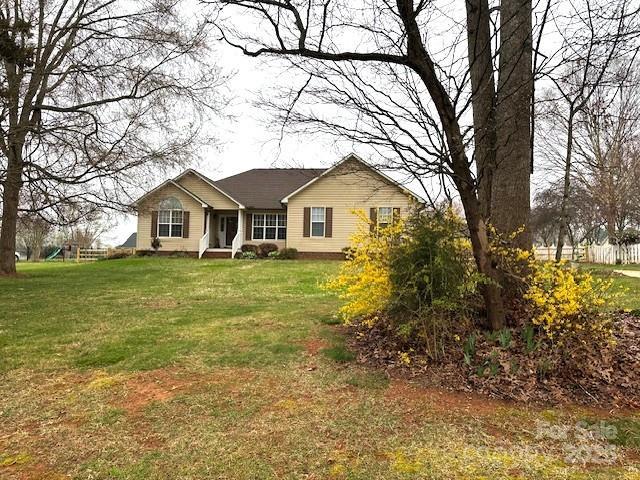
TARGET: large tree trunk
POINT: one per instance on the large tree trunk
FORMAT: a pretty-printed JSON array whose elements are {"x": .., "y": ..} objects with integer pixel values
[
  {"x": 510, "y": 199},
  {"x": 420, "y": 61},
  {"x": 491, "y": 291},
  {"x": 10, "y": 200},
  {"x": 483, "y": 98},
  {"x": 564, "y": 204}
]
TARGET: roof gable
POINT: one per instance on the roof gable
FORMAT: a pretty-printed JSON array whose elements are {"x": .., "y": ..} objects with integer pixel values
[
  {"x": 210, "y": 183},
  {"x": 173, "y": 183},
  {"x": 353, "y": 157}
]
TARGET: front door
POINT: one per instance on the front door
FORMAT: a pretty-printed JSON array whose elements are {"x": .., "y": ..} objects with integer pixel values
[{"x": 231, "y": 228}]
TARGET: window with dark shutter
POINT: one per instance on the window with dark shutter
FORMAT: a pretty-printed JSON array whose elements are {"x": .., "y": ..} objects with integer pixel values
[
  {"x": 154, "y": 224},
  {"x": 373, "y": 217},
  {"x": 318, "y": 221},
  {"x": 328, "y": 227},
  {"x": 185, "y": 224},
  {"x": 306, "y": 222}
]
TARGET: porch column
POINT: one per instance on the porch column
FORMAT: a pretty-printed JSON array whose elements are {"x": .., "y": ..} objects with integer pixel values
[
  {"x": 239, "y": 238},
  {"x": 241, "y": 226}
]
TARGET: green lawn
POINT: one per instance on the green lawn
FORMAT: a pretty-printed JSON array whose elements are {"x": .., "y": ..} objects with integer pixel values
[
  {"x": 183, "y": 369},
  {"x": 628, "y": 287}
]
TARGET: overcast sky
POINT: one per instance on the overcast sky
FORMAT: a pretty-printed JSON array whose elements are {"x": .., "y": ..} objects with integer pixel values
[{"x": 249, "y": 140}]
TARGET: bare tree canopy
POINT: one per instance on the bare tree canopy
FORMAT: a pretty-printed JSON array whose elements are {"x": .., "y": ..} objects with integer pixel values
[
  {"x": 598, "y": 49},
  {"x": 595, "y": 151},
  {"x": 33, "y": 231},
  {"x": 405, "y": 73},
  {"x": 94, "y": 96},
  {"x": 439, "y": 90}
]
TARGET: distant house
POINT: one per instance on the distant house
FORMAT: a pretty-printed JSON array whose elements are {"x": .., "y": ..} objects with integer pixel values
[
  {"x": 130, "y": 242},
  {"x": 310, "y": 209}
]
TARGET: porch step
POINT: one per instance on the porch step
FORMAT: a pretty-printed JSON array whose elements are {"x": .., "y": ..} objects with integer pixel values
[{"x": 217, "y": 253}]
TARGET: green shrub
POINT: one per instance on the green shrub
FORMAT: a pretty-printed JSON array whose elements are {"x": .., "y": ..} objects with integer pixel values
[
  {"x": 287, "y": 254},
  {"x": 249, "y": 255},
  {"x": 433, "y": 279},
  {"x": 264, "y": 249},
  {"x": 247, "y": 247},
  {"x": 118, "y": 255}
]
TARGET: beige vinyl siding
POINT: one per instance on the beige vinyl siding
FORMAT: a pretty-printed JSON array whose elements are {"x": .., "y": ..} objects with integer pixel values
[
  {"x": 349, "y": 187},
  {"x": 206, "y": 192},
  {"x": 196, "y": 221}
]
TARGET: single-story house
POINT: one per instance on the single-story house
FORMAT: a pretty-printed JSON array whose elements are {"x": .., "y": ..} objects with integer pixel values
[{"x": 309, "y": 209}]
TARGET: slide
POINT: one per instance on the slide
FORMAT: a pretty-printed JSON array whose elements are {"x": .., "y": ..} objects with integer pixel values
[{"x": 53, "y": 255}]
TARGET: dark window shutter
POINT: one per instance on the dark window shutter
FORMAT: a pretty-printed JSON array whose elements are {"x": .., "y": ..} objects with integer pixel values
[
  {"x": 373, "y": 216},
  {"x": 248, "y": 224},
  {"x": 185, "y": 224},
  {"x": 328, "y": 222},
  {"x": 306, "y": 227},
  {"x": 396, "y": 214},
  {"x": 154, "y": 224}
]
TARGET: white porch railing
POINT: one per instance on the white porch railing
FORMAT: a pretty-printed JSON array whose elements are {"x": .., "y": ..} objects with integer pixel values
[
  {"x": 204, "y": 244},
  {"x": 237, "y": 240}
]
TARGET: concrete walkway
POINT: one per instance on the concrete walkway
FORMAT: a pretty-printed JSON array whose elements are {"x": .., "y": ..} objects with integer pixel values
[{"x": 629, "y": 273}]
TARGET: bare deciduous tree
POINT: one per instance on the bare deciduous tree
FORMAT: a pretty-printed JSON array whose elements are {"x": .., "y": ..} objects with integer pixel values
[
  {"x": 404, "y": 78},
  {"x": 608, "y": 150},
  {"x": 93, "y": 95},
  {"x": 595, "y": 36},
  {"x": 33, "y": 232}
]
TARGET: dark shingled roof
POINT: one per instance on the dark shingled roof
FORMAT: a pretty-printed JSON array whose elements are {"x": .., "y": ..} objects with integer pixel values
[
  {"x": 265, "y": 187},
  {"x": 130, "y": 242}
]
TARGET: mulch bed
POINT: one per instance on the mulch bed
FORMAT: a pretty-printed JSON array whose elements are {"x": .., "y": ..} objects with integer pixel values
[{"x": 607, "y": 378}]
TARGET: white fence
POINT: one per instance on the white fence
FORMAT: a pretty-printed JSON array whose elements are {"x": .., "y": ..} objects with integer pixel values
[
  {"x": 90, "y": 254},
  {"x": 609, "y": 254},
  {"x": 568, "y": 253},
  {"x": 613, "y": 254}
]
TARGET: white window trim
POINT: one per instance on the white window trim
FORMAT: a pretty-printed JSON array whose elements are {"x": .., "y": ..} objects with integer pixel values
[
  {"x": 264, "y": 227},
  {"x": 324, "y": 223},
  {"x": 171, "y": 224},
  {"x": 378, "y": 216}
]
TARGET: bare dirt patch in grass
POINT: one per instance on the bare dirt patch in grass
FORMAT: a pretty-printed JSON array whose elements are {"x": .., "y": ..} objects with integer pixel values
[
  {"x": 314, "y": 345},
  {"x": 444, "y": 401},
  {"x": 145, "y": 389}
]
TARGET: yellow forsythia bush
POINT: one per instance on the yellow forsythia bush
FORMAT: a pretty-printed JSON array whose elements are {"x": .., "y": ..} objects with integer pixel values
[
  {"x": 568, "y": 302},
  {"x": 363, "y": 280}
]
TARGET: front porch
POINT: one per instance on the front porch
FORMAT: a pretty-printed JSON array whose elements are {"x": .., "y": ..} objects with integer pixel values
[
  {"x": 223, "y": 233},
  {"x": 217, "y": 253}
]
